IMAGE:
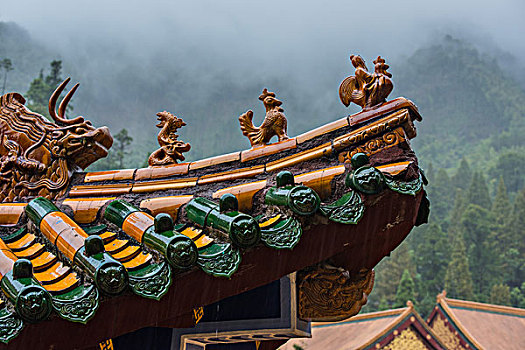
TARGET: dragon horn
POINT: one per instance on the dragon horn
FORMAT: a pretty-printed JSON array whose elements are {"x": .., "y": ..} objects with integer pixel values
[{"x": 60, "y": 118}]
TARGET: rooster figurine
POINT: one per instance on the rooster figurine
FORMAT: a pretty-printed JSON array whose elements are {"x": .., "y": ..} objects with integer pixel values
[
  {"x": 366, "y": 89},
  {"x": 274, "y": 122}
]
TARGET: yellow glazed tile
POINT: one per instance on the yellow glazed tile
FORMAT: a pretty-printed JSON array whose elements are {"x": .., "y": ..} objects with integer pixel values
[
  {"x": 22, "y": 243},
  {"x": 244, "y": 193},
  {"x": 394, "y": 168},
  {"x": 169, "y": 205},
  {"x": 320, "y": 180},
  {"x": 116, "y": 246},
  {"x": 322, "y": 130},
  {"x": 267, "y": 150},
  {"x": 231, "y": 175},
  {"x": 127, "y": 253},
  {"x": 53, "y": 273},
  {"x": 10, "y": 213},
  {"x": 64, "y": 284},
  {"x": 43, "y": 261},
  {"x": 111, "y": 175},
  {"x": 137, "y": 262},
  {"x": 203, "y": 241},
  {"x": 301, "y": 157},
  {"x": 223, "y": 158},
  {"x": 163, "y": 185},
  {"x": 86, "y": 209},
  {"x": 97, "y": 190},
  {"x": 31, "y": 251},
  {"x": 158, "y": 172},
  {"x": 136, "y": 224},
  {"x": 108, "y": 236}
]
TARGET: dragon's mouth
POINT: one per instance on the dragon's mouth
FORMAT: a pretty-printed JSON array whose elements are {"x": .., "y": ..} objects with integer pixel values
[
  {"x": 162, "y": 122},
  {"x": 88, "y": 148}
]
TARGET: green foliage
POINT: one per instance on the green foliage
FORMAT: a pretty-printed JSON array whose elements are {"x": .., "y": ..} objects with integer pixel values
[
  {"x": 432, "y": 257},
  {"x": 478, "y": 192},
  {"x": 500, "y": 294},
  {"x": 477, "y": 225},
  {"x": 405, "y": 290},
  {"x": 517, "y": 296},
  {"x": 41, "y": 88},
  {"x": 463, "y": 175},
  {"x": 509, "y": 165},
  {"x": 388, "y": 276},
  {"x": 458, "y": 280},
  {"x": 6, "y": 65}
]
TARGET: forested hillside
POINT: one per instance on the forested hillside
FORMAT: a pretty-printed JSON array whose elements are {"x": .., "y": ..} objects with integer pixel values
[{"x": 471, "y": 144}]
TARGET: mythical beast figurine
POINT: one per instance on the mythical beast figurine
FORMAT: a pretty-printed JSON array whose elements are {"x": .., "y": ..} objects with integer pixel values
[
  {"x": 274, "y": 122},
  {"x": 171, "y": 148},
  {"x": 37, "y": 157}
]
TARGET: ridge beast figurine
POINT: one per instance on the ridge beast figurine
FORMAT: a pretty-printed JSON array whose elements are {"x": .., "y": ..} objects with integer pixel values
[
  {"x": 365, "y": 89},
  {"x": 37, "y": 157},
  {"x": 171, "y": 148},
  {"x": 274, "y": 122}
]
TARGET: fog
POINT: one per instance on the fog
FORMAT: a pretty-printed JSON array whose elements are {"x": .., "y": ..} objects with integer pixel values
[{"x": 135, "y": 58}]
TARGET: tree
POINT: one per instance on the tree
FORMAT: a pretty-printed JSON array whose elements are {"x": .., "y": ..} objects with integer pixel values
[
  {"x": 41, "y": 88},
  {"x": 7, "y": 66},
  {"x": 458, "y": 280},
  {"x": 388, "y": 275},
  {"x": 432, "y": 257},
  {"x": 463, "y": 175},
  {"x": 478, "y": 192},
  {"x": 500, "y": 294},
  {"x": 405, "y": 290},
  {"x": 122, "y": 146},
  {"x": 515, "y": 253},
  {"x": 440, "y": 195},
  {"x": 460, "y": 204},
  {"x": 509, "y": 165},
  {"x": 517, "y": 296},
  {"x": 477, "y": 226},
  {"x": 501, "y": 206}
]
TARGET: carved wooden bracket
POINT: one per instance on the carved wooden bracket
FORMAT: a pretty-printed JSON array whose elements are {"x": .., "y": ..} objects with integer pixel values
[{"x": 328, "y": 293}]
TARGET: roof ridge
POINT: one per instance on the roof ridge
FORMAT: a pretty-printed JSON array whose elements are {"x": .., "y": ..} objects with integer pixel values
[
  {"x": 361, "y": 317},
  {"x": 485, "y": 306},
  {"x": 442, "y": 301}
]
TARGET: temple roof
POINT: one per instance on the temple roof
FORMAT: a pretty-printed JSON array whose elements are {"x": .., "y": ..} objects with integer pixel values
[
  {"x": 152, "y": 246},
  {"x": 467, "y": 324},
  {"x": 391, "y": 329}
]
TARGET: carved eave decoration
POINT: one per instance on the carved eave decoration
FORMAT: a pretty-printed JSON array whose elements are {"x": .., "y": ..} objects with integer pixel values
[
  {"x": 329, "y": 293},
  {"x": 37, "y": 157}
]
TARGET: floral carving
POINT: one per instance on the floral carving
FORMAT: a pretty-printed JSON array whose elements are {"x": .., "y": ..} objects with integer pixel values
[
  {"x": 328, "y": 293},
  {"x": 153, "y": 285},
  {"x": 80, "y": 309},
  {"x": 223, "y": 265}
]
